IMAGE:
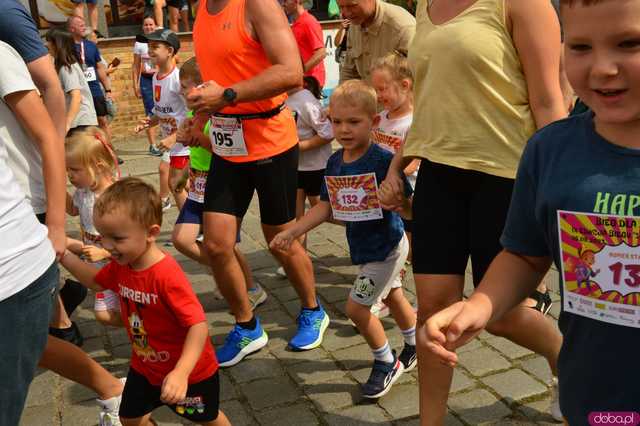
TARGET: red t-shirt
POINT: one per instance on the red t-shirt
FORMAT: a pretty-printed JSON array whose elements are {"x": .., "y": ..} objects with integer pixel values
[
  {"x": 308, "y": 34},
  {"x": 158, "y": 306}
]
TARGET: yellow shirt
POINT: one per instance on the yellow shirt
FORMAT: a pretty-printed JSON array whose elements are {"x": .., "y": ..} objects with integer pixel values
[
  {"x": 392, "y": 28},
  {"x": 471, "y": 101}
]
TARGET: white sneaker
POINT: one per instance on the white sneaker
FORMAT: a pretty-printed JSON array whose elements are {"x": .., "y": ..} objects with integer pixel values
[
  {"x": 109, "y": 409},
  {"x": 257, "y": 296},
  {"x": 554, "y": 407},
  {"x": 379, "y": 309},
  {"x": 281, "y": 273}
]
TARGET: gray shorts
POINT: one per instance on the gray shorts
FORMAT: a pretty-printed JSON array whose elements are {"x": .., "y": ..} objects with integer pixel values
[{"x": 376, "y": 279}]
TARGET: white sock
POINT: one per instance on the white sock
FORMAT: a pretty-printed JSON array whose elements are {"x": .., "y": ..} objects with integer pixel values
[
  {"x": 409, "y": 336},
  {"x": 384, "y": 353}
]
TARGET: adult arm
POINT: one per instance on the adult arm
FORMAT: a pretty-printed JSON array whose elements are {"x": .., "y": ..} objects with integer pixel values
[
  {"x": 348, "y": 70},
  {"x": 104, "y": 79},
  {"x": 273, "y": 32},
  {"x": 536, "y": 36},
  {"x": 84, "y": 272},
  {"x": 317, "y": 57},
  {"x": 136, "y": 70},
  {"x": 46, "y": 80},
  {"x": 32, "y": 115},
  {"x": 316, "y": 141}
]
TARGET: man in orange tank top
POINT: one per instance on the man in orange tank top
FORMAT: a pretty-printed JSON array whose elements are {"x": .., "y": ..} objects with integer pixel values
[{"x": 249, "y": 59}]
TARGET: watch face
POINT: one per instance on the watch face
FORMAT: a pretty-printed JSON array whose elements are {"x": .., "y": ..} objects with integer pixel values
[{"x": 229, "y": 95}]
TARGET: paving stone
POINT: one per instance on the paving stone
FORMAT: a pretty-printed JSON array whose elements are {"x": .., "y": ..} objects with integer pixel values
[
  {"x": 538, "y": 411},
  {"x": 227, "y": 389},
  {"x": 40, "y": 391},
  {"x": 478, "y": 406},
  {"x": 269, "y": 392},
  {"x": 314, "y": 372},
  {"x": 449, "y": 420},
  {"x": 359, "y": 415},
  {"x": 284, "y": 294},
  {"x": 84, "y": 414},
  {"x": 460, "y": 381},
  {"x": 293, "y": 415},
  {"x": 355, "y": 357},
  {"x": 279, "y": 348},
  {"x": 340, "y": 337},
  {"x": 253, "y": 369},
  {"x": 471, "y": 346},
  {"x": 333, "y": 394},
  {"x": 539, "y": 367},
  {"x": 508, "y": 348},
  {"x": 236, "y": 413},
  {"x": 165, "y": 416},
  {"x": 402, "y": 401},
  {"x": 333, "y": 294},
  {"x": 73, "y": 392},
  {"x": 40, "y": 415},
  {"x": 276, "y": 320},
  {"x": 483, "y": 361},
  {"x": 514, "y": 384}
]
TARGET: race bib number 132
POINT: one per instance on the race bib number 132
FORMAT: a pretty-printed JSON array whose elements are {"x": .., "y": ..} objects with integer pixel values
[{"x": 354, "y": 198}]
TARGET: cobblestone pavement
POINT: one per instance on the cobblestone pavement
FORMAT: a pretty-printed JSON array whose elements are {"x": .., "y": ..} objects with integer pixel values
[{"x": 497, "y": 382}]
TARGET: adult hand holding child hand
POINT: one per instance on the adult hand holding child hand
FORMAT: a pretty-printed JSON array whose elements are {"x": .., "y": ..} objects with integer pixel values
[
  {"x": 391, "y": 192},
  {"x": 94, "y": 254},
  {"x": 207, "y": 97},
  {"x": 454, "y": 327}
]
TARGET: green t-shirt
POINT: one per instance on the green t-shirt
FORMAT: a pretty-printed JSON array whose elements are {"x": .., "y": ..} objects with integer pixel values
[{"x": 199, "y": 157}]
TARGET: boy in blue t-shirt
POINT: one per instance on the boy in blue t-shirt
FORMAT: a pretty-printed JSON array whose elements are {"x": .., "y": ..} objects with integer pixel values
[
  {"x": 576, "y": 203},
  {"x": 376, "y": 237}
]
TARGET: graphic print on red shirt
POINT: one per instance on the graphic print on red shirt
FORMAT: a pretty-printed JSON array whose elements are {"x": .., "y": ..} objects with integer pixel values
[{"x": 158, "y": 306}]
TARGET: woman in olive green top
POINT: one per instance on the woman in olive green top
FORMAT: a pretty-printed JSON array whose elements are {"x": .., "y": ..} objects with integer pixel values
[{"x": 486, "y": 76}]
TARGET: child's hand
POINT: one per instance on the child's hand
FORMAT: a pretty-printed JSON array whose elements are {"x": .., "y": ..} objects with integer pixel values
[
  {"x": 184, "y": 133},
  {"x": 391, "y": 193},
  {"x": 182, "y": 183},
  {"x": 143, "y": 124},
  {"x": 452, "y": 328},
  {"x": 282, "y": 241},
  {"x": 94, "y": 254},
  {"x": 174, "y": 387}
]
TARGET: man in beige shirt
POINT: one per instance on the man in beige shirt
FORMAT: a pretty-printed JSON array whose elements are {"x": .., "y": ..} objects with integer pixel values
[{"x": 377, "y": 29}]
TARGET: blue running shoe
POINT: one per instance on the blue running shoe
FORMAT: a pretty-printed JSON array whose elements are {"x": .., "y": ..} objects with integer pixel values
[
  {"x": 240, "y": 343},
  {"x": 311, "y": 327},
  {"x": 383, "y": 376}
]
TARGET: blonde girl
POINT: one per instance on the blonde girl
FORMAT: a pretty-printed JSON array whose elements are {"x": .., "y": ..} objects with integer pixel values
[{"x": 92, "y": 167}]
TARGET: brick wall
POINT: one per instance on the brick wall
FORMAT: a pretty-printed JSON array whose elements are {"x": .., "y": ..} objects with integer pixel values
[{"x": 130, "y": 108}]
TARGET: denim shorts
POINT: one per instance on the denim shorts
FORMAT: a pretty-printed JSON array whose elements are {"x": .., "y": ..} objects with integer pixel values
[
  {"x": 146, "y": 92},
  {"x": 24, "y": 326}
]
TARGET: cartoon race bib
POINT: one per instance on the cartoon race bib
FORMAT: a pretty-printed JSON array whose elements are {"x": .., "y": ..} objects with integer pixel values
[
  {"x": 227, "y": 137},
  {"x": 354, "y": 198},
  {"x": 198, "y": 179},
  {"x": 90, "y": 74},
  {"x": 391, "y": 143},
  {"x": 601, "y": 266}
]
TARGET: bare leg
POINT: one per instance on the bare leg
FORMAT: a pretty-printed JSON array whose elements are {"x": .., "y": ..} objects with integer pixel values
[
  {"x": 184, "y": 17},
  {"x": 184, "y": 239},
  {"x": 401, "y": 309},
  {"x": 300, "y": 207},
  {"x": 220, "y": 421},
  {"x": 78, "y": 10},
  {"x": 367, "y": 324},
  {"x": 59, "y": 319},
  {"x": 435, "y": 292},
  {"x": 219, "y": 242},
  {"x": 246, "y": 269},
  {"x": 138, "y": 421},
  {"x": 112, "y": 318},
  {"x": 151, "y": 135},
  {"x": 163, "y": 172},
  {"x": 93, "y": 15},
  {"x": 173, "y": 18},
  {"x": 158, "y": 13},
  {"x": 179, "y": 195},
  {"x": 72, "y": 363},
  {"x": 296, "y": 264},
  {"x": 103, "y": 122}
]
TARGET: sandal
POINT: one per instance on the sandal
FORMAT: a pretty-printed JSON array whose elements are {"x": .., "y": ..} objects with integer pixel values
[{"x": 543, "y": 301}]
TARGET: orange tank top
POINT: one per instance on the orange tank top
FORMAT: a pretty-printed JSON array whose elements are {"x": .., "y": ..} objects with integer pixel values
[{"x": 227, "y": 54}]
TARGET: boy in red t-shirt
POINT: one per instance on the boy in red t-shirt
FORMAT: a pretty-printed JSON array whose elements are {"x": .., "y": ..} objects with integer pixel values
[{"x": 172, "y": 362}]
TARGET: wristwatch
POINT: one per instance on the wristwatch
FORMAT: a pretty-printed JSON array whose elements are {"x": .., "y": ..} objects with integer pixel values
[{"x": 230, "y": 95}]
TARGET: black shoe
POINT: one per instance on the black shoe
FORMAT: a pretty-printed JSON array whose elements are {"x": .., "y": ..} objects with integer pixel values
[
  {"x": 383, "y": 376},
  {"x": 408, "y": 357},
  {"x": 71, "y": 334},
  {"x": 120, "y": 161},
  {"x": 72, "y": 295}
]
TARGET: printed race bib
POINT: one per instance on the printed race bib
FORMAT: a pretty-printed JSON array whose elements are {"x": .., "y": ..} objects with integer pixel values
[
  {"x": 227, "y": 137},
  {"x": 90, "y": 74},
  {"x": 168, "y": 126},
  {"x": 198, "y": 180},
  {"x": 354, "y": 198},
  {"x": 389, "y": 142},
  {"x": 601, "y": 266}
]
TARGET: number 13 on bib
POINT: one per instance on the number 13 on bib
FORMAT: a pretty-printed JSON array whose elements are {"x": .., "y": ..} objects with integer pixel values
[
  {"x": 354, "y": 198},
  {"x": 227, "y": 137}
]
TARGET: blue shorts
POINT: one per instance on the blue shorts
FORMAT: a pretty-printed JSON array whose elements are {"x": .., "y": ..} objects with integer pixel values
[
  {"x": 192, "y": 212},
  {"x": 24, "y": 323},
  {"x": 146, "y": 91},
  {"x": 84, "y": 1}
]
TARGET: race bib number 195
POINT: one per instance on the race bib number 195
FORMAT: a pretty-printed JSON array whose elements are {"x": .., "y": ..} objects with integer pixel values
[{"x": 227, "y": 137}]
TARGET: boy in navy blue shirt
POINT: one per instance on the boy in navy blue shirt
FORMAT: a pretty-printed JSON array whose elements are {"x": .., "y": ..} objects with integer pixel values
[
  {"x": 376, "y": 237},
  {"x": 576, "y": 203}
]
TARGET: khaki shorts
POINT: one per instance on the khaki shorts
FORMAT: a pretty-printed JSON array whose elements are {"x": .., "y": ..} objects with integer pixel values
[{"x": 376, "y": 279}]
